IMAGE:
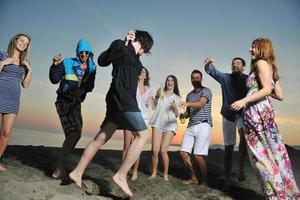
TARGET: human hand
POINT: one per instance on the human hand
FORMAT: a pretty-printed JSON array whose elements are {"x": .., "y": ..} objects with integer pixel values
[
  {"x": 208, "y": 62},
  {"x": 130, "y": 36},
  {"x": 238, "y": 105},
  {"x": 183, "y": 104},
  {"x": 174, "y": 106},
  {"x": 57, "y": 59},
  {"x": 7, "y": 61},
  {"x": 27, "y": 65},
  {"x": 159, "y": 93}
]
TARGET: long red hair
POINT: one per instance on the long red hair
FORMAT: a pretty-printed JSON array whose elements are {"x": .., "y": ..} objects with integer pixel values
[{"x": 265, "y": 52}]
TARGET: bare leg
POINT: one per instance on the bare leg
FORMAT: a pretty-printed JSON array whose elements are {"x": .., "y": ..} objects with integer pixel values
[
  {"x": 227, "y": 165},
  {"x": 165, "y": 143},
  {"x": 132, "y": 155},
  {"x": 135, "y": 170},
  {"x": 156, "y": 142},
  {"x": 203, "y": 168},
  {"x": 101, "y": 138},
  {"x": 8, "y": 121},
  {"x": 70, "y": 142},
  {"x": 128, "y": 137},
  {"x": 243, "y": 154},
  {"x": 186, "y": 158}
]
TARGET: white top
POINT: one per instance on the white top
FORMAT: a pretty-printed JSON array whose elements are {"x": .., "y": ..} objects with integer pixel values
[
  {"x": 143, "y": 103},
  {"x": 164, "y": 118}
]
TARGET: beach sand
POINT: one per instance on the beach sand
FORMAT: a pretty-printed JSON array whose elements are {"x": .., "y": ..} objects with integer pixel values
[{"x": 29, "y": 168}]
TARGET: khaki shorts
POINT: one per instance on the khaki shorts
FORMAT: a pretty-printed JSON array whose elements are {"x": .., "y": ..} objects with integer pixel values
[{"x": 229, "y": 129}]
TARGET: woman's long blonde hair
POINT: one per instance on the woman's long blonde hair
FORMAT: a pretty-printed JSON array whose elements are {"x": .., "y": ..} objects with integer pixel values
[
  {"x": 265, "y": 52},
  {"x": 24, "y": 55}
]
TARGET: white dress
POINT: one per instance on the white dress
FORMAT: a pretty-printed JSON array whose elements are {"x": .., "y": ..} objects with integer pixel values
[
  {"x": 163, "y": 117},
  {"x": 143, "y": 105}
]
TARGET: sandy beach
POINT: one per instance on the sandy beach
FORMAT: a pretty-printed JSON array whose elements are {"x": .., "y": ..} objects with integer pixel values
[{"x": 29, "y": 168}]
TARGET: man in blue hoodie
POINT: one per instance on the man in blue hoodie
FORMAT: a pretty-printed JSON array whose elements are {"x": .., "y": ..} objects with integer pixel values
[{"x": 76, "y": 77}]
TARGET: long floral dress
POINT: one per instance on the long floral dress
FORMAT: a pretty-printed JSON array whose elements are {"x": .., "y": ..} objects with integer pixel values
[{"x": 267, "y": 152}]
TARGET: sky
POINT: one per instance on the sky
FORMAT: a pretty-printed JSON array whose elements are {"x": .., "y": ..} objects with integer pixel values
[{"x": 184, "y": 33}]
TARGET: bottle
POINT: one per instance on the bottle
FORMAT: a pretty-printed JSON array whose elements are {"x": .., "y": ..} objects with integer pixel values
[
  {"x": 181, "y": 115},
  {"x": 161, "y": 95}
]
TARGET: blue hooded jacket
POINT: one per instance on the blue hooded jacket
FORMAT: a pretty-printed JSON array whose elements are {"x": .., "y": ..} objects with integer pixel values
[{"x": 65, "y": 73}]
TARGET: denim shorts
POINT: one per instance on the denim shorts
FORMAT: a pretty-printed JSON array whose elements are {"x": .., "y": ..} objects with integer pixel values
[{"x": 132, "y": 121}]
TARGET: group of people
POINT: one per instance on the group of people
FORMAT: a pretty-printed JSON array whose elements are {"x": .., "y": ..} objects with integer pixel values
[{"x": 246, "y": 106}]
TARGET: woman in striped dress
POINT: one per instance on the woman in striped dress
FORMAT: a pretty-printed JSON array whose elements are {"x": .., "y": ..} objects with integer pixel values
[
  {"x": 267, "y": 152},
  {"x": 14, "y": 69}
]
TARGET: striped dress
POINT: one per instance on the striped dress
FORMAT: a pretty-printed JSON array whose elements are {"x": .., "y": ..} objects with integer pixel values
[{"x": 10, "y": 89}]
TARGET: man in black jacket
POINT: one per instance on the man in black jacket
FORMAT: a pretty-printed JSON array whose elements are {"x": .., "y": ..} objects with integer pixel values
[{"x": 122, "y": 108}]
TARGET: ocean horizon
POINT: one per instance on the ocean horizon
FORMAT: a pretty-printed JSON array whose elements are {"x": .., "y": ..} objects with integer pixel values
[{"x": 43, "y": 138}]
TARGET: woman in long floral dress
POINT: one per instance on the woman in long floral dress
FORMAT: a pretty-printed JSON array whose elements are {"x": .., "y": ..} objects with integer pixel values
[{"x": 267, "y": 152}]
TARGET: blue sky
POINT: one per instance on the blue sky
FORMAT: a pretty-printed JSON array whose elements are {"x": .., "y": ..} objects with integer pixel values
[{"x": 185, "y": 32}]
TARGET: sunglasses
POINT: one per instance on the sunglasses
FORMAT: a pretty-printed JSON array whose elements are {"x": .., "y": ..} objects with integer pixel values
[{"x": 86, "y": 52}]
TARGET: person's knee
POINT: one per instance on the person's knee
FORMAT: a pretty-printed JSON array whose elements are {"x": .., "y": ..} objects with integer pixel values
[
  {"x": 5, "y": 133},
  {"x": 200, "y": 160},
  {"x": 184, "y": 155},
  {"x": 101, "y": 138},
  {"x": 126, "y": 146},
  {"x": 145, "y": 135},
  {"x": 155, "y": 152},
  {"x": 199, "y": 157},
  {"x": 142, "y": 135},
  {"x": 163, "y": 152}
]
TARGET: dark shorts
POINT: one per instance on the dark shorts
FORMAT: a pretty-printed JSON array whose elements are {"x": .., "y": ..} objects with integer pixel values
[
  {"x": 132, "y": 121},
  {"x": 70, "y": 116}
]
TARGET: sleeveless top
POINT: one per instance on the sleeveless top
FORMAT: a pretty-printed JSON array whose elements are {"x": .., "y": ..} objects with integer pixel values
[{"x": 10, "y": 89}]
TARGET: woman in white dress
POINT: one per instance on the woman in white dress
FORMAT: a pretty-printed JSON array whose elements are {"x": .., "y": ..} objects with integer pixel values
[
  {"x": 164, "y": 124},
  {"x": 144, "y": 97}
]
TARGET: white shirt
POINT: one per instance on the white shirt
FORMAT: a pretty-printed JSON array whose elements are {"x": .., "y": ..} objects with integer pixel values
[
  {"x": 143, "y": 105},
  {"x": 164, "y": 118}
]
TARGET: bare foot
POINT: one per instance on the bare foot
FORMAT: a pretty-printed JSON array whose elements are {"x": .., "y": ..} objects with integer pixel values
[
  {"x": 152, "y": 176},
  {"x": 166, "y": 177},
  {"x": 190, "y": 181},
  {"x": 122, "y": 184},
  {"x": 76, "y": 178},
  {"x": 2, "y": 169},
  {"x": 134, "y": 176}
]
